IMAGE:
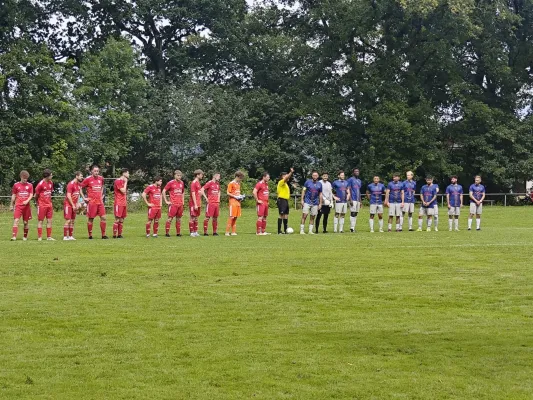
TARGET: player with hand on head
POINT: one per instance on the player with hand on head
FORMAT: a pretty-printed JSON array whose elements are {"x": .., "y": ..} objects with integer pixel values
[
  {"x": 176, "y": 189},
  {"x": 428, "y": 196},
  {"x": 120, "y": 208},
  {"x": 71, "y": 206},
  {"x": 21, "y": 195},
  {"x": 311, "y": 201},
  {"x": 195, "y": 202},
  {"x": 211, "y": 193},
  {"x": 354, "y": 185},
  {"x": 284, "y": 194},
  {"x": 394, "y": 199},
  {"x": 261, "y": 195},
  {"x": 342, "y": 197},
  {"x": 477, "y": 195},
  {"x": 45, "y": 209},
  {"x": 409, "y": 190},
  {"x": 327, "y": 203},
  {"x": 152, "y": 197},
  {"x": 375, "y": 193},
  {"x": 234, "y": 197},
  {"x": 454, "y": 199},
  {"x": 95, "y": 200}
]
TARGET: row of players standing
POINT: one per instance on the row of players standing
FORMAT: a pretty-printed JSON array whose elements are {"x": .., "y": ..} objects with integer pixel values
[{"x": 319, "y": 196}]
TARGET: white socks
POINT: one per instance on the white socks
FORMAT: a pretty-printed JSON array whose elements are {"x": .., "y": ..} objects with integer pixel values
[
  {"x": 457, "y": 223},
  {"x": 311, "y": 228},
  {"x": 335, "y": 224},
  {"x": 341, "y": 223},
  {"x": 371, "y": 221},
  {"x": 469, "y": 223},
  {"x": 380, "y": 224},
  {"x": 478, "y": 223},
  {"x": 410, "y": 222},
  {"x": 450, "y": 223},
  {"x": 436, "y": 219},
  {"x": 420, "y": 223}
]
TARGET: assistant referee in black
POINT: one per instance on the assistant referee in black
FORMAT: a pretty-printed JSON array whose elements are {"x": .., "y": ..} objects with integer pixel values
[{"x": 284, "y": 195}]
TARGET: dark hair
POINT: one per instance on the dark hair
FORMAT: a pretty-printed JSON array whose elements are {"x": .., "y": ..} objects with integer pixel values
[
  {"x": 429, "y": 177},
  {"x": 95, "y": 166},
  {"x": 340, "y": 172},
  {"x": 477, "y": 176},
  {"x": 396, "y": 174},
  {"x": 314, "y": 171},
  {"x": 78, "y": 173},
  {"x": 453, "y": 177},
  {"x": 265, "y": 174},
  {"x": 355, "y": 169},
  {"x": 123, "y": 171},
  {"x": 283, "y": 174},
  {"x": 47, "y": 173},
  {"x": 198, "y": 172},
  {"x": 157, "y": 178},
  {"x": 239, "y": 174},
  {"x": 325, "y": 173}
]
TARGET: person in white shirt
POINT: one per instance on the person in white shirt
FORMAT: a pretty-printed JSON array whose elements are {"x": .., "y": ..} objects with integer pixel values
[{"x": 327, "y": 196}]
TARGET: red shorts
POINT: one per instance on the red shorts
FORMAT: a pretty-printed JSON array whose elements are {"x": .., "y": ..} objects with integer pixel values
[
  {"x": 44, "y": 212},
  {"x": 194, "y": 212},
  {"x": 175, "y": 211},
  {"x": 262, "y": 210},
  {"x": 120, "y": 211},
  {"x": 95, "y": 210},
  {"x": 23, "y": 212},
  {"x": 154, "y": 213},
  {"x": 212, "y": 210},
  {"x": 69, "y": 213}
]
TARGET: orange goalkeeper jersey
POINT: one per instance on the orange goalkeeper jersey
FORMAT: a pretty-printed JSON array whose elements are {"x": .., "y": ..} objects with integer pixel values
[{"x": 234, "y": 188}]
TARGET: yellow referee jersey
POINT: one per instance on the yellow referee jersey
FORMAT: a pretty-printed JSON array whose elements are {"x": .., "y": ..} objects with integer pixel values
[{"x": 284, "y": 192}]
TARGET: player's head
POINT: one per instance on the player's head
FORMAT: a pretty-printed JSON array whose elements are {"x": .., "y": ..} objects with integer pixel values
[
  {"x": 239, "y": 176},
  {"x": 355, "y": 172},
  {"x": 95, "y": 170},
  {"x": 79, "y": 176},
  {"x": 24, "y": 175},
  {"x": 429, "y": 179},
  {"x": 124, "y": 172},
  {"x": 477, "y": 179},
  {"x": 341, "y": 175},
  {"x": 396, "y": 177},
  {"x": 265, "y": 176},
  {"x": 283, "y": 175},
  {"x": 158, "y": 181},
  {"x": 410, "y": 175},
  {"x": 325, "y": 176},
  {"x": 47, "y": 174},
  {"x": 198, "y": 174},
  {"x": 314, "y": 175},
  {"x": 376, "y": 179},
  {"x": 453, "y": 179},
  {"x": 177, "y": 175},
  {"x": 216, "y": 177}
]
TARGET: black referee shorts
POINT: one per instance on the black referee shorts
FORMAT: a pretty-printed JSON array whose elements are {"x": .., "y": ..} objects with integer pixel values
[{"x": 283, "y": 206}]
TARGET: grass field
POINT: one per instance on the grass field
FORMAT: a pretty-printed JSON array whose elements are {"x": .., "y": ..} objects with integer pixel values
[{"x": 366, "y": 316}]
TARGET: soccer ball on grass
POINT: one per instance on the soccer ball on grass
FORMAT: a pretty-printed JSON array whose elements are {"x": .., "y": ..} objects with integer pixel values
[{"x": 290, "y": 230}]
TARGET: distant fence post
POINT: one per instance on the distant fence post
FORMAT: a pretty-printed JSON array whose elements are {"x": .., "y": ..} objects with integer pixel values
[{"x": 505, "y": 200}]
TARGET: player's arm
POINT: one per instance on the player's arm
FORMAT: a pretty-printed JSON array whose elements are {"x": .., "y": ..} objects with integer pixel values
[
  {"x": 69, "y": 198},
  {"x": 348, "y": 195},
  {"x": 303, "y": 195},
  {"x": 82, "y": 194},
  {"x": 471, "y": 193},
  {"x": 387, "y": 194},
  {"x": 193, "y": 194},
  {"x": 434, "y": 197},
  {"x": 37, "y": 193},
  {"x": 289, "y": 175},
  {"x": 320, "y": 200},
  {"x": 482, "y": 198},
  {"x": 202, "y": 192},
  {"x": 462, "y": 197},
  {"x": 402, "y": 195},
  {"x": 164, "y": 196},
  {"x": 146, "y": 200},
  {"x": 255, "y": 196},
  {"x": 12, "y": 204},
  {"x": 422, "y": 198},
  {"x": 448, "y": 199}
]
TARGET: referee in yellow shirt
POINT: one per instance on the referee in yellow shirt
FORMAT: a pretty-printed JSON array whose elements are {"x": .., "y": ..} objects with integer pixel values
[{"x": 284, "y": 195}]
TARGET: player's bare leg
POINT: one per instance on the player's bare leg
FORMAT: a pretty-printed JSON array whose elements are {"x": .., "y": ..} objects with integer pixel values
[
  {"x": 311, "y": 224},
  {"x": 390, "y": 224},
  {"x": 302, "y": 225},
  {"x": 353, "y": 221},
  {"x": 398, "y": 224}
]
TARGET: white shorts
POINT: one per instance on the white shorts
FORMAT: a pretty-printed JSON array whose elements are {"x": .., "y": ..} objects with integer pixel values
[
  {"x": 427, "y": 211},
  {"x": 309, "y": 209},
  {"x": 395, "y": 209},
  {"x": 409, "y": 208},
  {"x": 340, "y": 208},
  {"x": 376, "y": 209},
  {"x": 454, "y": 211},
  {"x": 475, "y": 209},
  {"x": 355, "y": 206}
]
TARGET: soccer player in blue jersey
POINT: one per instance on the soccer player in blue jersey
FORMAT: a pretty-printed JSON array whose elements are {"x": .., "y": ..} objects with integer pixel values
[
  {"x": 311, "y": 201},
  {"x": 454, "y": 198},
  {"x": 409, "y": 189},
  {"x": 394, "y": 198},
  {"x": 354, "y": 185},
  {"x": 436, "y": 211},
  {"x": 477, "y": 195},
  {"x": 342, "y": 197},
  {"x": 428, "y": 196},
  {"x": 374, "y": 193}
]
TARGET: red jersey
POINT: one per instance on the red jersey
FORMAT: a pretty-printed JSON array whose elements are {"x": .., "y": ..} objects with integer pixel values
[
  {"x": 154, "y": 195},
  {"x": 212, "y": 191},
  {"x": 196, "y": 186},
  {"x": 262, "y": 191},
  {"x": 95, "y": 189},
  {"x": 120, "y": 198},
  {"x": 43, "y": 192},
  {"x": 175, "y": 189},
  {"x": 22, "y": 192},
  {"x": 73, "y": 188}
]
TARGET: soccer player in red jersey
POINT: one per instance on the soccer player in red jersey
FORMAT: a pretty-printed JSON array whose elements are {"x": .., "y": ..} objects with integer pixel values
[
  {"x": 176, "y": 189},
  {"x": 71, "y": 205},
  {"x": 261, "y": 195},
  {"x": 21, "y": 194},
  {"x": 211, "y": 193},
  {"x": 94, "y": 198},
  {"x": 43, "y": 197},
  {"x": 152, "y": 198},
  {"x": 120, "y": 208},
  {"x": 195, "y": 202}
]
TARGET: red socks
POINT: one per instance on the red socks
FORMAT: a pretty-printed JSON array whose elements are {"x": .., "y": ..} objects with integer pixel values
[
  {"x": 148, "y": 224},
  {"x": 156, "y": 227},
  {"x": 102, "y": 227},
  {"x": 178, "y": 227},
  {"x": 66, "y": 230},
  {"x": 25, "y": 232},
  {"x": 90, "y": 228},
  {"x": 215, "y": 225},
  {"x": 206, "y": 225},
  {"x": 258, "y": 226},
  {"x": 115, "y": 229},
  {"x": 167, "y": 227},
  {"x": 15, "y": 231},
  {"x": 39, "y": 232},
  {"x": 48, "y": 232},
  {"x": 264, "y": 225}
]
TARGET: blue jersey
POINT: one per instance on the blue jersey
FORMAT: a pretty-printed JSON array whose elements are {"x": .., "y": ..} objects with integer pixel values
[
  {"x": 341, "y": 190},
  {"x": 477, "y": 192},
  {"x": 428, "y": 192},
  {"x": 354, "y": 184},
  {"x": 312, "y": 192},
  {"x": 409, "y": 188},
  {"x": 395, "y": 192},
  {"x": 376, "y": 193},
  {"x": 455, "y": 192}
]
